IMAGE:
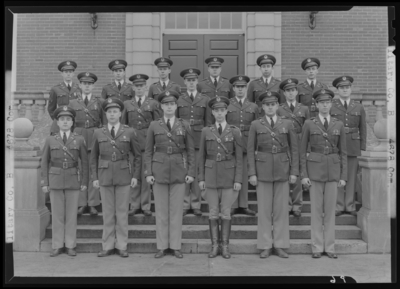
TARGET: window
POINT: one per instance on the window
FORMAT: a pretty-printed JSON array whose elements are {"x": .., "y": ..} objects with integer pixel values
[{"x": 203, "y": 20}]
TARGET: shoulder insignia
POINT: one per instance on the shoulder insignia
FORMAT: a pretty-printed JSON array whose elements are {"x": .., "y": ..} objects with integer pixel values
[
  {"x": 126, "y": 125},
  {"x": 334, "y": 119},
  {"x": 312, "y": 117}
]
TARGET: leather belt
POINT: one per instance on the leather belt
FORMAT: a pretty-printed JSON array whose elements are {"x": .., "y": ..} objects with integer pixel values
[
  {"x": 64, "y": 165},
  {"x": 169, "y": 150},
  {"x": 83, "y": 124},
  {"x": 141, "y": 125},
  {"x": 272, "y": 149},
  {"x": 324, "y": 150},
  {"x": 244, "y": 127},
  {"x": 219, "y": 157},
  {"x": 350, "y": 129},
  {"x": 114, "y": 157},
  {"x": 195, "y": 121}
]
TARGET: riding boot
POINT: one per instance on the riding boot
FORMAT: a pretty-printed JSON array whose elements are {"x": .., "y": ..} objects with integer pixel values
[
  {"x": 214, "y": 235},
  {"x": 226, "y": 230}
]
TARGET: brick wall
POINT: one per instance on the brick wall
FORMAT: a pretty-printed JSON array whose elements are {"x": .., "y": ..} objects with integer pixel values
[{"x": 44, "y": 40}]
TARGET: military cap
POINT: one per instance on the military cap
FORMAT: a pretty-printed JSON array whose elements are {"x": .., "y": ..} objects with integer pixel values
[
  {"x": 138, "y": 78},
  {"x": 218, "y": 102},
  {"x": 163, "y": 61},
  {"x": 343, "y": 80},
  {"x": 266, "y": 58},
  {"x": 239, "y": 80},
  {"x": 310, "y": 62},
  {"x": 112, "y": 102},
  {"x": 87, "y": 77},
  {"x": 216, "y": 61},
  {"x": 269, "y": 96},
  {"x": 168, "y": 96},
  {"x": 64, "y": 110},
  {"x": 323, "y": 94},
  {"x": 68, "y": 64},
  {"x": 117, "y": 64},
  {"x": 190, "y": 73},
  {"x": 288, "y": 83}
]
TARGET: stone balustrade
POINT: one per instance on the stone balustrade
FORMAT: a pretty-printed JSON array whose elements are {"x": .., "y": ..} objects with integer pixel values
[{"x": 30, "y": 104}]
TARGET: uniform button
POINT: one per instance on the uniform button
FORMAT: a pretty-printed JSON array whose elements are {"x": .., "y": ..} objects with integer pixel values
[
  {"x": 113, "y": 147},
  {"x": 64, "y": 153}
]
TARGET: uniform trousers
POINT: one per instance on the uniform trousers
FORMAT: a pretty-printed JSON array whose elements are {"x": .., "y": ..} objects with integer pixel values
[
  {"x": 273, "y": 219},
  {"x": 168, "y": 200},
  {"x": 323, "y": 202},
  {"x": 192, "y": 198},
  {"x": 64, "y": 209},
  {"x": 242, "y": 200},
  {"x": 220, "y": 197},
  {"x": 141, "y": 194},
  {"x": 115, "y": 202},
  {"x": 90, "y": 196},
  {"x": 345, "y": 195},
  {"x": 296, "y": 192}
]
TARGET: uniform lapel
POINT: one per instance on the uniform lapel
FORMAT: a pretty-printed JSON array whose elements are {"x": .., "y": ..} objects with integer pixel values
[
  {"x": 318, "y": 86},
  {"x": 115, "y": 87},
  {"x": 197, "y": 98},
  {"x": 245, "y": 104},
  {"x": 64, "y": 87},
  {"x": 164, "y": 125},
  {"x": 120, "y": 130},
  {"x": 124, "y": 87},
  {"x": 210, "y": 83},
  {"x": 70, "y": 138},
  {"x": 320, "y": 124},
  {"x": 306, "y": 86},
  {"x": 262, "y": 83},
  {"x": 74, "y": 87},
  {"x": 186, "y": 97},
  {"x": 351, "y": 106},
  {"x": 92, "y": 101},
  {"x": 220, "y": 82},
  {"x": 278, "y": 123},
  {"x": 234, "y": 102},
  {"x": 331, "y": 123},
  {"x": 266, "y": 122},
  {"x": 339, "y": 105},
  {"x": 271, "y": 83},
  {"x": 168, "y": 86},
  {"x": 226, "y": 131}
]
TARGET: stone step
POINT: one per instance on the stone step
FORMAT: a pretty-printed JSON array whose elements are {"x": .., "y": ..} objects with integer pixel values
[
  {"x": 191, "y": 219},
  {"x": 202, "y": 231},
  {"x": 203, "y": 246}
]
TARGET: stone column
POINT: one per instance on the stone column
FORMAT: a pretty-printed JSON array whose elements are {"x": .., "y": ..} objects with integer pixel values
[
  {"x": 41, "y": 103},
  {"x": 31, "y": 215},
  {"x": 28, "y": 108}
]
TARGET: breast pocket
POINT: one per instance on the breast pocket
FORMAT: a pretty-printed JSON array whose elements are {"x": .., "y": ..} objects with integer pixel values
[
  {"x": 224, "y": 92},
  {"x": 315, "y": 136},
  {"x": 74, "y": 150},
  {"x": 103, "y": 144},
  {"x": 62, "y": 99},
  {"x": 228, "y": 142},
  {"x": 183, "y": 110},
  {"x": 283, "y": 136},
  {"x": 55, "y": 151},
  {"x": 249, "y": 114},
  {"x": 262, "y": 136},
  {"x": 160, "y": 137},
  {"x": 355, "y": 118},
  {"x": 199, "y": 110},
  {"x": 207, "y": 92},
  {"x": 211, "y": 145},
  {"x": 124, "y": 143}
]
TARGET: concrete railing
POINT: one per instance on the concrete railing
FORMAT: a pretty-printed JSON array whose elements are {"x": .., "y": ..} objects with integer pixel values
[{"x": 29, "y": 104}]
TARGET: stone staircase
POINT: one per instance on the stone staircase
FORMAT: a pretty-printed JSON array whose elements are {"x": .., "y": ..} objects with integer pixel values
[{"x": 195, "y": 233}]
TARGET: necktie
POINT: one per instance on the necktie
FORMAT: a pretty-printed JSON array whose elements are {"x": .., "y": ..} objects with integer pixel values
[
  {"x": 113, "y": 132},
  {"x": 272, "y": 122},
  {"x": 291, "y": 106},
  {"x": 240, "y": 102},
  {"x": 312, "y": 84},
  {"x": 169, "y": 125},
  {"x": 326, "y": 123},
  {"x": 215, "y": 82},
  {"x": 220, "y": 129},
  {"x": 163, "y": 86},
  {"x": 266, "y": 82},
  {"x": 69, "y": 87},
  {"x": 345, "y": 104},
  {"x": 119, "y": 85},
  {"x": 139, "y": 102},
  {"x": 86, "y": 100},
  {"x": 191, "y": 97},
  {"x": 65, "y": 138}
]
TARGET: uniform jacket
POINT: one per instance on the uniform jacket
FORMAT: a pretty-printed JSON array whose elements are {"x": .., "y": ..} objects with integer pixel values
[
  {"x": 257, "y": 87},
  {"x": 60, "y": 96},
  {"x": 140, "y": 117},
  {"x": 241, "y": 117},
  {"x": 268, "y": 166},
  {"x": 164, "y": 167},
  {"x": 224, "y": 88},
  {"x": 84, "y": 123},
  {"x": 198, "y": 113},
  {"x": 305, "y": 95},
  {"x": 111, "y": 90},
  {"x": 318, "y": 166},
  {"x": 118, "y": 172},
  {"x": 298, "y": 116},
  {"x": 219, "y": 169},
  {"x": 58, "y": 178},
  {"x": 353, "y": 117},
  {"x": 156, "y": 88}
]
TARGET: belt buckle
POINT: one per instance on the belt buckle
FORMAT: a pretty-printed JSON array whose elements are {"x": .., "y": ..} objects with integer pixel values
[
  {"x": 346, "y": 129},
  {"x": 139, "y": 125},
  {"x": 191, "y": 121},
  {"x": 65, "y": 165},
  {"x": 169, "y": 150},
  {"x": 326, "y": 150},
  {"x": 113, "y": 157},
  {"x": 241, "y": 126},
  {"x": 274, "y": 149},
  {"x": 219, "y": 156},
  {"x": 87, "y": 124}
]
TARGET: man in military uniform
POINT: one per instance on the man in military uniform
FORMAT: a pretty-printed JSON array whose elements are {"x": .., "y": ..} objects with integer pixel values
[
  {"x": 272, "y": 151},
  {"x": 215, "y": 84},
  {"x": 352, "y": 115},
  {"x": 119, "y": 87},
  {"x": 323, "y": 170},
  {"x": 61, "y": 175},
  {"x": 220, "y": 173},
  {"x": 310, "y": 85},
  {"x": 169, "y": 165},
  {"x": 265, "y": 83},
  {"x": 297, "y": 113},
  {"x": 193, "y": 107},
  {"x": 241, "y": 112},
  {"x": 139, "y": 112},
  {"x": 164, "y": 69},
  {"x": 61, "y": 94},
  {"x": 89, "y": 116},
  {"x": 114, "y": 175}
]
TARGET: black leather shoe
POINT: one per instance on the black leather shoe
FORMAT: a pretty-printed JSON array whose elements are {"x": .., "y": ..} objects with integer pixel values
[
  {"x": 133, "y": 212},
  {"x": 297, "y": 214},
  {"x": 353, "y": 213},
  {"x": 71, "y": 252},
  {"x": 248, "y": 212},
  {"x": 159, "y": 254},
  {"x": 265, "y": 254},
  {"x": 281, "y": 253},
  {"x": 316, "y": 255},
  {"x": 197, "y": 212},
  {"x": 331, "y": 255},
  {"x": 147, "y": 213},
  {"x": 81, "y": 210},
  {"x": 56, "y": 252},
  {"x": 105, "y": 253},
  {"x": 178, "y": 254},
  {"x": 93, "y": 211},
  {"x": 122, "y": 253},
  {"x": 338, "y": 213},
  {"x": 233, "y": 211},
  {"x": 185, "y": 212}
]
